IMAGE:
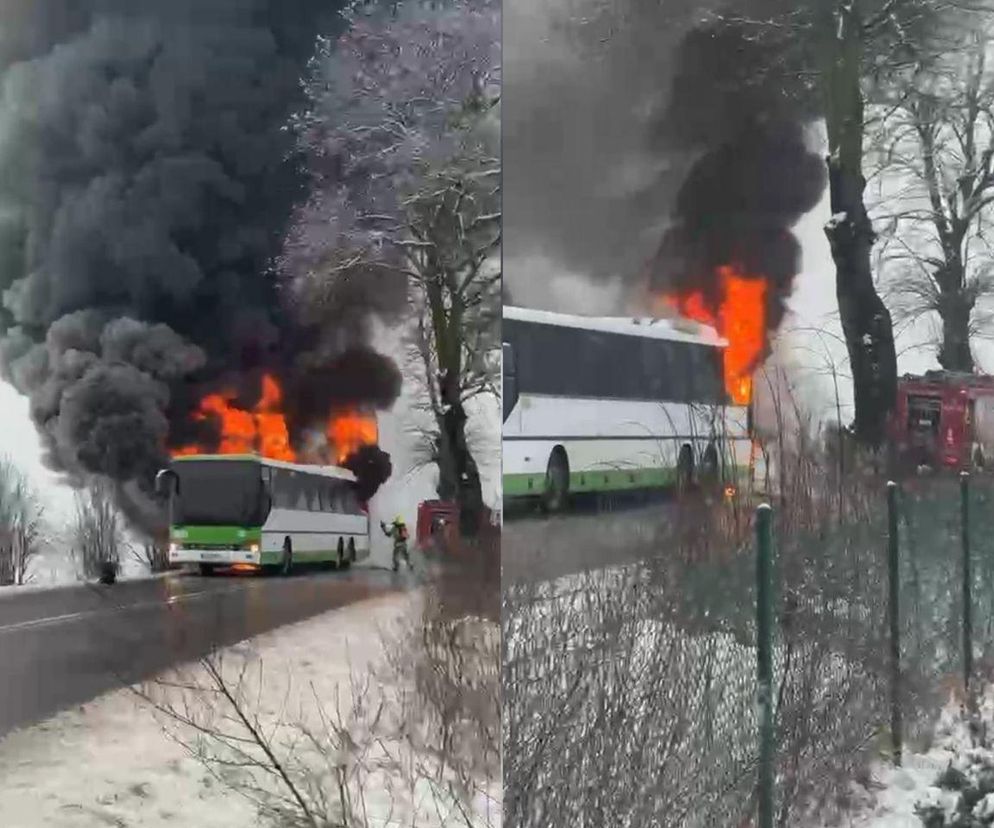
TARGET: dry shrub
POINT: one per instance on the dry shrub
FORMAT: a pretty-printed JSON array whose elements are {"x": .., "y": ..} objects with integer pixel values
[
  {"x": 630, "y": 690},
  {"x": 410, "y": 739}
]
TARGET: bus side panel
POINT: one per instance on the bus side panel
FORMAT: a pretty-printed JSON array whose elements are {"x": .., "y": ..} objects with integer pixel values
[
  {"x": 314, "y": 535},
  {"x": 613, "y": 444}
]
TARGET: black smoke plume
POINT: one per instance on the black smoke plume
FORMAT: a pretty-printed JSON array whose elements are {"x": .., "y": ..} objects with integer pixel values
[
  {"x": 146, "y": 186},
  {"x": 372, "y": 468},
  {"x": 652, "y": 139},
  {"x": 736, "y": 102}
]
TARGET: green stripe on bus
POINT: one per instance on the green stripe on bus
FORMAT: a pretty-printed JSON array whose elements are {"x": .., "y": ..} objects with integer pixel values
[
  {"x": 309, "y": 556},
  {"x": 609, "y": 480},
  {"x": 215, "y": 535}
]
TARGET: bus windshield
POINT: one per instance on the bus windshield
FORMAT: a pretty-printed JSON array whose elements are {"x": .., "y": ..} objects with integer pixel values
[{"x": 219, "y": 493}]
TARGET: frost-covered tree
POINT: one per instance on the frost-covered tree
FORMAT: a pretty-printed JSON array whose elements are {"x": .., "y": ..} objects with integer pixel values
[
  {"x": 22, "y": 525},
  {"x": 97, "y": 531},
  {"x": 402, "y": 134},
  {"x": 935, "y": 148}
]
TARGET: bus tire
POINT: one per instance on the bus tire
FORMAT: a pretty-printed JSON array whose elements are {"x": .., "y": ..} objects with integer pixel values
[
  {"x": 685, "y": 469},
  {"x": 206, "y": 569},
  {"x": 710, "y": 467},
  {"x": 556, "y": 494},
  {"x": 340, "y": 554},
  {"x": 351, "y": 558},
  {"x": 286, "y": 563}
]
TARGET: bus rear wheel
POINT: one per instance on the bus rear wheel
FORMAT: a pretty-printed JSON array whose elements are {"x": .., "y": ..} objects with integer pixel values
[
  {"x": 685, "y": 470},
  {"x": 351, "y": 557},
  {"x": 556, "y": 492},
  {"x": 710, "y": 468}
]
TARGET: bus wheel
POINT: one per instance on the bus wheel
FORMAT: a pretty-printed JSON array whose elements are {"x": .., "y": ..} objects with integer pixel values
[
  {"x": 340, "y": 555},
  {"x": 685, "y": 470},
  {"x": 286, "y": 564},
  {"x": 556, "y": 481},
  {"x": 710, "y": 471},
  {"x": 206, "y": 569},
  {"x": 351, "y": 556}
]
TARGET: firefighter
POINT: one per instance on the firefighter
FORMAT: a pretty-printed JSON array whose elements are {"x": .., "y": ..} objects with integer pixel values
[{"x": 398, "y": 533}]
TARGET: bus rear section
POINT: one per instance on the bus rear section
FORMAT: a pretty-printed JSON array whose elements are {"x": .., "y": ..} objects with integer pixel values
[{"x": 249, "y": 513}]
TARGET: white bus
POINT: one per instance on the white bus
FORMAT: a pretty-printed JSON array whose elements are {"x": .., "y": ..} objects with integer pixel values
[
  {"x": 601, "y": 404},
  {"x": 249, "y": 512}
]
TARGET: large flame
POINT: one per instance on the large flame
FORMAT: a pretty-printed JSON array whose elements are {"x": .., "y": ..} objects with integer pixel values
[
  {"x": 740, "y": 318},
  {"x": 263, "y": 429}
]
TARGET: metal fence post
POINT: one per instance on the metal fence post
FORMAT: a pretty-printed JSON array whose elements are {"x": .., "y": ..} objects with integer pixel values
[
  {"x": 894, "y": 609},
  {"x": 964, "y": 488},
  {"x": 764, "y": 658}
]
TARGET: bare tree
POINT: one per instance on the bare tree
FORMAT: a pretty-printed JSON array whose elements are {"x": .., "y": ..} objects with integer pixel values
[
  {"x": 936, "y": 139},
  {"x": 836, "y": 54},
  {"x": 412, "y": 738},
  {"x": 21, "y": 524},
  {"x": 402, "y": 134},
  {"x": 152, "y": 553},
  {"x": 97, "y": 530}
]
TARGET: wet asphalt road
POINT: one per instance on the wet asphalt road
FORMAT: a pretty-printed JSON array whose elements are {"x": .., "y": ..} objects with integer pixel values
[
  {"x": 65, "y": 646},
  {"x": 593, "y": 534}
]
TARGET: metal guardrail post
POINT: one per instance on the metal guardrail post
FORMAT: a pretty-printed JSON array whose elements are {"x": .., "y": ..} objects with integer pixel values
[
  {"x": 894, "y": 611},
  {"x": 964, "y": 487},
  {"x": 764, "y": 658}
]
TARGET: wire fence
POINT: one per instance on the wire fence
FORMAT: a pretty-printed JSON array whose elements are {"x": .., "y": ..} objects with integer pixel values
[{"x": 632, "y": 693}]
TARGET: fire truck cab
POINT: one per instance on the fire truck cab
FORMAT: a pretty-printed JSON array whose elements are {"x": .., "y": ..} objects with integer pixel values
[
  {"x": 438, "y": 522},
  {"x": 944, "y": 419}
]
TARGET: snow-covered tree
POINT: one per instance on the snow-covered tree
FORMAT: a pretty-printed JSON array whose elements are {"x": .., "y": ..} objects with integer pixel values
[
  {"x": 402, "y": 133},
  {"x": 21, "y": 524},
  {"x": 97, "y": 531}
]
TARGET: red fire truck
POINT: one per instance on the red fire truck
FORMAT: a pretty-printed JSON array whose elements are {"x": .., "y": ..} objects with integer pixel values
[{"x": 944, "y": 420}]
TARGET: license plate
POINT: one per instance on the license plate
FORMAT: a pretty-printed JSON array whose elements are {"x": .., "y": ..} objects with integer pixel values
[{"x": 211, "y": 556}]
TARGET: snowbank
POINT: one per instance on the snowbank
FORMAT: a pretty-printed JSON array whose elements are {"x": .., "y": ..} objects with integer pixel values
[{"x": 117, "y": 761}]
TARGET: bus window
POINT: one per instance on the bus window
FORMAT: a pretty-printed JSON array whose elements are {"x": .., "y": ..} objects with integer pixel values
[
  {"x": 296, "y": 492},
  {"x": 310, "y": 487},
  {"x": 350, "y": 501},
  {"x": 280, "y": 489},
  {"x": 655, "y": 368}
]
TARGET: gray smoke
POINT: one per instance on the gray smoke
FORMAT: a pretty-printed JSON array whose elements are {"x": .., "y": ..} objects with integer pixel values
[
  {"x": 620, "y": 127},
  {"x": 146, "y": 185}
]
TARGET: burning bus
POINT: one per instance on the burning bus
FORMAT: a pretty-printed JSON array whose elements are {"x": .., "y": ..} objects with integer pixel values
[
  {"x": 944, "y": 420},
  {"x": 249, "y": 499},
  {"x": 250, "y": 512},
  {"x": 603, "y": 404}
]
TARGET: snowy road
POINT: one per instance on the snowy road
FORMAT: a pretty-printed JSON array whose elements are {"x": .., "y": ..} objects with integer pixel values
[{"x": 62, "y": 647}]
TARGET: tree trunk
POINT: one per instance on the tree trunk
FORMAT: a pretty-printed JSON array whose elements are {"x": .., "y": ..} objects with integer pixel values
[
  {"x": 866, "y": 322},
  {"x": 459, "y": 477},
  {"x": 469, "y": 492},
  {"x": 954, "y": 352}
]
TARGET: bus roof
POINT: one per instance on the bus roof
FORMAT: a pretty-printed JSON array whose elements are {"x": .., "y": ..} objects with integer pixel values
[
  {"x": 324, "y": 471},
  {"x": 682, "y": 330}
]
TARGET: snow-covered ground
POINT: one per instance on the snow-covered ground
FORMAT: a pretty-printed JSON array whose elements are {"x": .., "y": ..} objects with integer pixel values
[
  {"x": 117, "y": 761},
  {"x": 890, "y": 796}
]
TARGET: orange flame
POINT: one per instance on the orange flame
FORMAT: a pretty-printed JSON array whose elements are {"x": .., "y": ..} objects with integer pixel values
[
  {"x": 349, "y": 431},
  {"x": 740, "y": 318},
  {"x": 263, "y": 430}
]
